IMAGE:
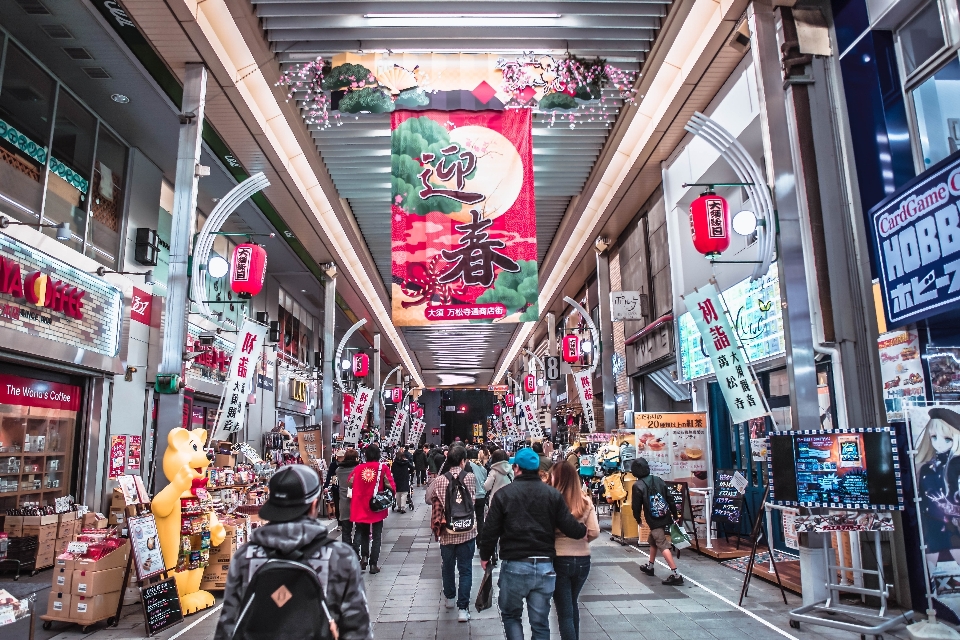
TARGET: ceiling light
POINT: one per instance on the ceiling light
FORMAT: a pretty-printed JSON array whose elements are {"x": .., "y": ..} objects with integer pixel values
[
  {"x": 430, "y": 16},
  {"x": 745, "y": 222},
  {"x": 462, "y": 19},
  {"x": 119, "y": 98},
  {"x": 217, "y": 267}
]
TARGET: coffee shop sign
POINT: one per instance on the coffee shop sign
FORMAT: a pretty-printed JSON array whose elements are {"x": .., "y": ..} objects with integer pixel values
[{"x": 41, "y": 290}]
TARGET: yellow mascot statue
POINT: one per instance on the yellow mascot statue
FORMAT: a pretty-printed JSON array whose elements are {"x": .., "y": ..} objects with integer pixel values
[{"x": 184, "y": 464}]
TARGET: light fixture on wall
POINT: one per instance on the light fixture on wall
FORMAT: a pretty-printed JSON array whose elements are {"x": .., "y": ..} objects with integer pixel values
[
  {"x": 217, "y": 266},
  {"x": 148, "y": 278},
  {"x": 745, "y": 222},
  {"x": 63, "y": 228}
]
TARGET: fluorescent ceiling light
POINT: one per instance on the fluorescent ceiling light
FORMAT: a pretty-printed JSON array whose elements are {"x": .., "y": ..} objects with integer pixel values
[
  {"x": 462, "y": 19},
  {"x": 430, "y": 16}
]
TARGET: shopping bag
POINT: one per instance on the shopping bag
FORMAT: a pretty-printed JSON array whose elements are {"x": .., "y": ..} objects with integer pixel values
[
  {"x": 485, "y": 594},
  {"x": 679, "y": 537}
]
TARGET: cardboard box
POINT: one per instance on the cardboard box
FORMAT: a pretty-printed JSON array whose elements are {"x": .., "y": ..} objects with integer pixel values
[
  {"x": 116, "y": 516},
  {"x": 46, "y": 552},
  {"x": 90, "y": 583},
  {"x": 93, "y": 608},
  {"x": 58, "y": 604},
  {"x": 90, "y": 519},
  {"x": 62, "y": 579},
  {"x": 45, "y": 533},
  {"x": 68, "y": 528},
  {"x": 39, "y": 521},
  {"x": 61, "y": 545},
  {"x": 13, "y": 525},
  {"x": 221, "y": 460},
  {"x": 110, "y": 561}
]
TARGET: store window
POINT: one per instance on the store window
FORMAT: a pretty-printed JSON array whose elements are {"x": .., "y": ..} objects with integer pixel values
[
  {"x": 936, "y": 103},
  {"x": 296, "y": 331},
  {"x": 26, "y": 106},
  {"x": 921, "y": 37},
  {"x": 106, "y": 206},
  {"x": 38, "y": 420},
  {"x": 71, "y": 164}
]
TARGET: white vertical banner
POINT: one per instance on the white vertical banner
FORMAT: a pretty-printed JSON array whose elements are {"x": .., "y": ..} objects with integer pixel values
[
  {"x": 396, "y": 428},
  {"x": 243, "y": 369},
  {"x": 510, "y": 424},
  {"x": 585, "y": 390},
  {"x": 417, "y": 426},
  {"x": 730, "y": 363},
  {"x": 530, "y": 416},
  {"x": 353, "y": 423}
]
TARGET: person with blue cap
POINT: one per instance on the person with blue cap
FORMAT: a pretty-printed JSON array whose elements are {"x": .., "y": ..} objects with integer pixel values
[{"x": 524, "y": 517}]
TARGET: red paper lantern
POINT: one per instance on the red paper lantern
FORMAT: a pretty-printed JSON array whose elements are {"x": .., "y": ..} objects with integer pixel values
[
  {"x": 248, "y": 270},
  {"x": 710, "y": 224},
  {"x": 361, "y": 365},
  {"x": 396, "y": 394},
  {"x": 496, "y": 409},
  {"x": 529, "y": 383},
  {"x": 509, "y": 399},
  {"x": 571, "y": 348},
  {"x": 347, "y": 404}
]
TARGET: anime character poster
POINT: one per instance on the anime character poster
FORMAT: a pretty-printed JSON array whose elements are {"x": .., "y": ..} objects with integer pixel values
[
  {"x": 463, "y": 217},
  {"x": 935, "y": 433}
]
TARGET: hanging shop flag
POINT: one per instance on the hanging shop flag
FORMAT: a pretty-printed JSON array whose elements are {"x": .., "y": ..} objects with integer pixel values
[
  {"x": 585, "y": 389},
  {"x": 396, "y": 429},
  {"x": 417, "y": 425},
  {"x": 463, "y": 216},
  {"x": 353, "y": 423},
  {"x": 510, "y": 424},
  {"x": 729, "y": 361},
  {"x": 243, "y": 368},
  {"x": 530, "y": 417}
]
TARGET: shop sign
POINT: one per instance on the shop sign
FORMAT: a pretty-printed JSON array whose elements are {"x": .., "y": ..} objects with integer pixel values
[
  {"x": 674, "y": 444},
  {"x": 141, "y": 306},
  {"x": 243, "y": 365},
  {"x": 298, "y": 390},
  {"x": 584, "y": 381},
  {"x": 625, "y": 305},
  {"x": 754, "y": 307},
  {"x": 28, "y": 392},
  {"x": 40, "y": 295},
  {"x": 464, "y": 218},
  {"x": 529, "y": 413},
  {"x": 916, "y": 234},
  {"x": 353, "y": 422},
  {"x": 900, "y": 370},
  {"x": 735, "y": 377}
]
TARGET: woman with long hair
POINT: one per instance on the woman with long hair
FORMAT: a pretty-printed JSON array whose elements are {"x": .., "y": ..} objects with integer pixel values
[
  {"x": 501, "y": 473},
  {"x": 364, "y": 481},
  {"x": 401, "y": 470},
  {"x": 938, "y": 457},
  {"x": 572, "y": 563}
]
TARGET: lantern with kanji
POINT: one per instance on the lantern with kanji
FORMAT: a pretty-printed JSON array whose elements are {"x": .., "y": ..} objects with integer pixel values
[
  {"x": 396, "y": 394},
  {"x": 496, "y": 409},
  {"x": 248, "y": 270},
  {"x": 529, "y": 383},
  {"x": 361, "y": 365},
  {"x": 571, "y": 348},
  {"x": 509, "y": 399},
  {"x": 710, "y": 224}
]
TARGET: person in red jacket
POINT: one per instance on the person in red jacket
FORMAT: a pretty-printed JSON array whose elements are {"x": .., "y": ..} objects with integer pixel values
[{"x": 366, "y": 480}]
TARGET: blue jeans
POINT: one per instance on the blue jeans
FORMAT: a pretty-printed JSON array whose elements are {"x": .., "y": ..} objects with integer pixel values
[
  {"x": 458, "y": 558},
  {"x": 533, "y": 581},
  {"x": 572, "y": 572}
]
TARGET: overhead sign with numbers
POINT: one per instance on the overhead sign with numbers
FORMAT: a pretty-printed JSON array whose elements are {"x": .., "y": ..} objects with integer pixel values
[
  {"x": 916, "y": 234},
  {"x": 243, "y": 368},
  {"x": 552, "y": 367},
  {"x": 740, "y": 389}
]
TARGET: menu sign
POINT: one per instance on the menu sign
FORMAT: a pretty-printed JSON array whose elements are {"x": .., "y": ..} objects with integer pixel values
[
  {"x": 145, "y": 546},
  {"x": 161, "y": 606},
  {"x": 678, "y": 493},
  {"x": 727, "y": 499},
  {"x": 674, "y": 445},
  {"x": 308, "y": 439},
  {"x": 901, "y": 371}
]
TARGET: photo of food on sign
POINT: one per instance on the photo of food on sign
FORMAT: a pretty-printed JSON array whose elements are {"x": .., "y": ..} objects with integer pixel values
[
  {"x": 464, "y": 242},
  {"x": 831, "y": 469},
  {"x": 674, "y": 445}
]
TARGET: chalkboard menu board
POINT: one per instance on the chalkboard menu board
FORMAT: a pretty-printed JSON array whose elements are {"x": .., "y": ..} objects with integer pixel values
[
  {"x": 678, "y": 492},
  {"x": 727, "y": 501},
  {"x": 161, "y": 605}
]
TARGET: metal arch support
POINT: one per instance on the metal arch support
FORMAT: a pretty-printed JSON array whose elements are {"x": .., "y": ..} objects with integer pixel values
[
  {"x": 201, "y": 252},
  {"x": 594, "y": 334},
  {"x": 383, "y": 389},
  {"x": 538, "y": 361},
  {"x": 343, "y": 343},
  {"x": 749, "y": 173},
  {"x": 517, "y": 389}
]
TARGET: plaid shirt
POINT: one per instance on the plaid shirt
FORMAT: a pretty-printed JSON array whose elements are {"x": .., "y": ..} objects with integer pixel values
[{"x": 470, "y": 481}]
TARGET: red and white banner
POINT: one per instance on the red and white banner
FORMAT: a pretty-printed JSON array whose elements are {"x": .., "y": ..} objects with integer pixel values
[
  {"x": 396, "y": 429},
  {"x": 240, "y": 377},
  {"x": 528, "y": 409},
  {"x": 464, "y": 229},
  {"x": 585, "y": 390},
  {"x": 28, "y": 392},
  {"x": 118, "y": 453},
  {"x": 353, "y": 423},
  {"x": 140, "y": 306},
  {"x": 510, "y": 424}
]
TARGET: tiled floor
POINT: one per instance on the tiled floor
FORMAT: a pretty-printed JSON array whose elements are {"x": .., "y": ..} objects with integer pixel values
[{"x": 618, "y": 600}]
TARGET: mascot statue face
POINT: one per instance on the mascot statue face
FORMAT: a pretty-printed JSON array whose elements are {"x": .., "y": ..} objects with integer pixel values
[{"x": 185, "y": 450}]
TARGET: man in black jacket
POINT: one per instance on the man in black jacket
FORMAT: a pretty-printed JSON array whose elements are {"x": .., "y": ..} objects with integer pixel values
[
  {"x": 420, "y": 464},
  {"x": 524, "y": 517},
  {"x": 651, "y": 499}
]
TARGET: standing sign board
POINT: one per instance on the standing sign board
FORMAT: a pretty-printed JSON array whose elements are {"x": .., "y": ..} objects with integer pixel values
[
  {"x": 145, "y": 546},
  {"x": 308, "y": 439},
  {"x": 243, "y": 367},
  {"x": 727, "y": 499},
  {"x": 161, "y": 605},
  {"x": 916, "y": 235}
]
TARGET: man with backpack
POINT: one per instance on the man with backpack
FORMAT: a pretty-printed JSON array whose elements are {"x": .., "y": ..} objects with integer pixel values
[
  {"x": 456, "y": 489},
  {"x": 291, "y": 580},
  {"x": 650, "y": 499}
]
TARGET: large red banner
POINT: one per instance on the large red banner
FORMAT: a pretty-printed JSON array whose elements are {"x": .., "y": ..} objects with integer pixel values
[{"x": 464, "y": 226}]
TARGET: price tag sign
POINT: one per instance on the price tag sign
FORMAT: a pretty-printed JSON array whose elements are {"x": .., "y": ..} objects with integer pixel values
[{"x": 77, "y": 548}]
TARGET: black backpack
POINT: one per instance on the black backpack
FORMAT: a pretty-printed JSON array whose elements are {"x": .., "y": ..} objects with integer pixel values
[
  {"x": 284, "y": 600},
  {"x": 458, "y": 504},
  {"x": 657, "y": 505}
]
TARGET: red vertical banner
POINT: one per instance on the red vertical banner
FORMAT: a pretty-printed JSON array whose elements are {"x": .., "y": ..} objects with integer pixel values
[
  {"x": 464, "y": 226},
  {"x": 118, "y": 456}
]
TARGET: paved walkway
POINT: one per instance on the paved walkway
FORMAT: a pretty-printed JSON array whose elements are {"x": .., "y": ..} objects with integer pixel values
[{"x": 618, "y": 600}]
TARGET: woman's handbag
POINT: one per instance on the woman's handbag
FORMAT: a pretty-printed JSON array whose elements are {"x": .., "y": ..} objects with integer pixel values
[{"x": 381, "y": 500}]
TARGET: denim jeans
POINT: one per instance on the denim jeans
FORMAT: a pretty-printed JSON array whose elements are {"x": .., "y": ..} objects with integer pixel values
[
  {"x": 533, "y": 581},
  {"x": 361, "y": 540},
  {"x": 572, "y": 572},
  {"x": 458, "y": 558}
]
